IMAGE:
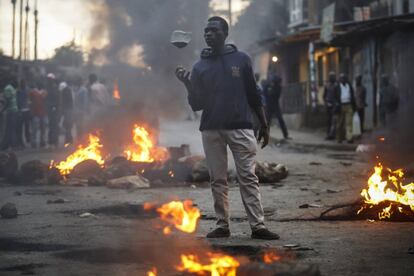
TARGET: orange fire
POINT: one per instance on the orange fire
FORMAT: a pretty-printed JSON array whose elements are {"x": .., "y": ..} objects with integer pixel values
[
  {"x": 270, "y": 257},
  {"x": 152, "y": 272},
  {"x": 143, "y": 149},
  {"x": 116, "y": 95},
  {"x": 90, "y": 152},
  {"x": 182, "y": 215},
  {"x": 220, "y": 265},
  {"x": 390, "y": 189}
]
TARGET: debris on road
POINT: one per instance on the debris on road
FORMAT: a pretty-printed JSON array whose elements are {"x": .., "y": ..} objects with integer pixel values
[
  {"x": 57, "y": 201},
  {"x": 315, "y": 163},
  {"x": 87, "y": 215},
  {"x": 9, "y": 165},
  {"x": 129, "y": 182},
  {"x": 271, "y": 172},
  {"x": 8, "y": 211},
  {"x": 312, "y": 205},
  {"x": 411, "y": 250},
  {"x": 32, "y": 172}
]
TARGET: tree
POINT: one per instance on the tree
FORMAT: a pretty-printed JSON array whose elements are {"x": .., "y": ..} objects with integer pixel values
[{"x": 68, "y": 55}]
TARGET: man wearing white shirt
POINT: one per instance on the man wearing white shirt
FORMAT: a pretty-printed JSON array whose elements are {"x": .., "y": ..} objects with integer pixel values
[{"x": 346, "y": 103}]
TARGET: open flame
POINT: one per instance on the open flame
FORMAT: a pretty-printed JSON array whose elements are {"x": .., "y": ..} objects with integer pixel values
[
  {"x": 115, "y": 94},
  {"x": 271, "y": 257},
  {"x": 182, "y": 215},
  {"x": 90, "y": 152},
  {"x": 152, "y": 272},
  {"x": 219, "y": 265},
  {"x": 391, "y": 189},
  {"x": 143, "y": 149}
]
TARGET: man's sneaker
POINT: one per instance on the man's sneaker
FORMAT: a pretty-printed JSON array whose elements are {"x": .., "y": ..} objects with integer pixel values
[
  {"x": 264, "y": 234},
  {"x": 219, "y": 233}
]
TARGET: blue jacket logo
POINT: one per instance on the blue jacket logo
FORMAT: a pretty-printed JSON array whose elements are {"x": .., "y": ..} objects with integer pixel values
[{"x": 235, "y": 71}]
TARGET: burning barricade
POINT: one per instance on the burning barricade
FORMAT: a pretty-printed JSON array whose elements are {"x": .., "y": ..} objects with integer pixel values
[{"x": 140, "y": 163}]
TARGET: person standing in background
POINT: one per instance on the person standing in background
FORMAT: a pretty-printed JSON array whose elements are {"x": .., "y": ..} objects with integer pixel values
[
  {"x": 67, "y": 110},
  {"x": 23, "y": 115},
  {"x": 98, "y": 95},
  {"x": 38, "y": 112},
  {"x": 53, "y": 101},
  {"x": 360, "y": 100},
  {"x": 9, "y": 138},
  {"x": 346, "y": 101},
  {"x": 80, "y": 106},
  {"x": 329, "y": 97}
]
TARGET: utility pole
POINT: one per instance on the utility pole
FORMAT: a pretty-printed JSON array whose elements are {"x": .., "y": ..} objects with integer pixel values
[
  {"x": 230, "y": 13},
  {"x": 35, "y": 29},
  {"x": 21, "y": 31},
  {"x": 13, "y": 28},
  {"x": 26, "y": 32}
]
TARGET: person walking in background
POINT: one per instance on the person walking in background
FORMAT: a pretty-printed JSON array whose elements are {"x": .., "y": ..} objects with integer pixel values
[
  {"x": 273, "y": 92},
  {"x": 329, "y": 97},
  {"x": 10, "y": 131},
  {"x": 389, "y": 101},
  {"x": 360, "y": 100},
  {"x": 53, "y": 101},
  {"x": 346, "y": 101},
  {"x": 67, "y": 110},
  {"x": 23, "y": 115},
  {"x": 38, "y": 112}
]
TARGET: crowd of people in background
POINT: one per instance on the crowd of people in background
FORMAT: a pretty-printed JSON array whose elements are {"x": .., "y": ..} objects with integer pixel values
[
  {"x": 37, "y": 114},
  {"x": 346, "y": 105}
]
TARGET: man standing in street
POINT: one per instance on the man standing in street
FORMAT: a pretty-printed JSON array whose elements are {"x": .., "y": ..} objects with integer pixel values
[
  {"x": 222, "y": 85},
  {"x": 329, "y": 97},
  {"x": 346, "y": 102},
  {"x": 360, "y": 100}
]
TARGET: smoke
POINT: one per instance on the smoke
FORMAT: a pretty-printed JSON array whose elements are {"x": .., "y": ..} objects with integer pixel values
[
  {"x": 137, "y": 52},
  {"x": 262, "y": 20},
  {"x": 397, "y": 147}
]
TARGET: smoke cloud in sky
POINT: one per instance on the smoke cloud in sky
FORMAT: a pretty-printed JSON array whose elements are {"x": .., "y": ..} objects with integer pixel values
[{"x": 138, "y": 52}]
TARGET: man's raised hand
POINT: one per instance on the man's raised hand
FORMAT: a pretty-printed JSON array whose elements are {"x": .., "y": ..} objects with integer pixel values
[{"x": 183, "y": 75}]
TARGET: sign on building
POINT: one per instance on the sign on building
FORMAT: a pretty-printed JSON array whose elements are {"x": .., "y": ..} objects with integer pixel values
[{"x": 328, "y": 21}]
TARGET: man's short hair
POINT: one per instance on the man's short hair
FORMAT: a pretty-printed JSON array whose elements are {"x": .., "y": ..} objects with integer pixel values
[{"x": 222, "y": 21}]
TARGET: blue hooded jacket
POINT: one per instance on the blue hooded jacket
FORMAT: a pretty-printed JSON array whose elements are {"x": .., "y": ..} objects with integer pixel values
[{"x": 224, "y": 88}]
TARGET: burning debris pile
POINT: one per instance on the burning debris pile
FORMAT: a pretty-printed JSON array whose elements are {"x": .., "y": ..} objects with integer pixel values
[
  {"x": 387, "y": 188},
  {"x": 204, "y": 260},
  {"x": 388, "y": 197},
  {"x": 139, "y": 163}
]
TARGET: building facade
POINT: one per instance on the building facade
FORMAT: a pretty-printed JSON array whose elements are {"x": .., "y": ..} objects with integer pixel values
[{"x": 367, "y": 37}]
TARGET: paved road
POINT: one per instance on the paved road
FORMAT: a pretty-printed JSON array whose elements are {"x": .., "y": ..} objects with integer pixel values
[{"x": 51, "y": 239}]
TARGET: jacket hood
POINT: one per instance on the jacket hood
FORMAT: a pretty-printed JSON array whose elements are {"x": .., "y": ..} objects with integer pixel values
[
  {"x": 208, "y": 52},
  {"x": 9, "y": 89}
]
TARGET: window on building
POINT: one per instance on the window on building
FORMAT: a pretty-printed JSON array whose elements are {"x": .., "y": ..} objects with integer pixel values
[
  {"x": 296, "y": 9},
  {"x": 406, "y": 6}
]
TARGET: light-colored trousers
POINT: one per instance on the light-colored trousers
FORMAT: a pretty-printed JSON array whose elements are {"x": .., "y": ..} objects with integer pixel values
[
  {"x": 242, "y": 144},
  {"x": 344, "y": 123}
]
